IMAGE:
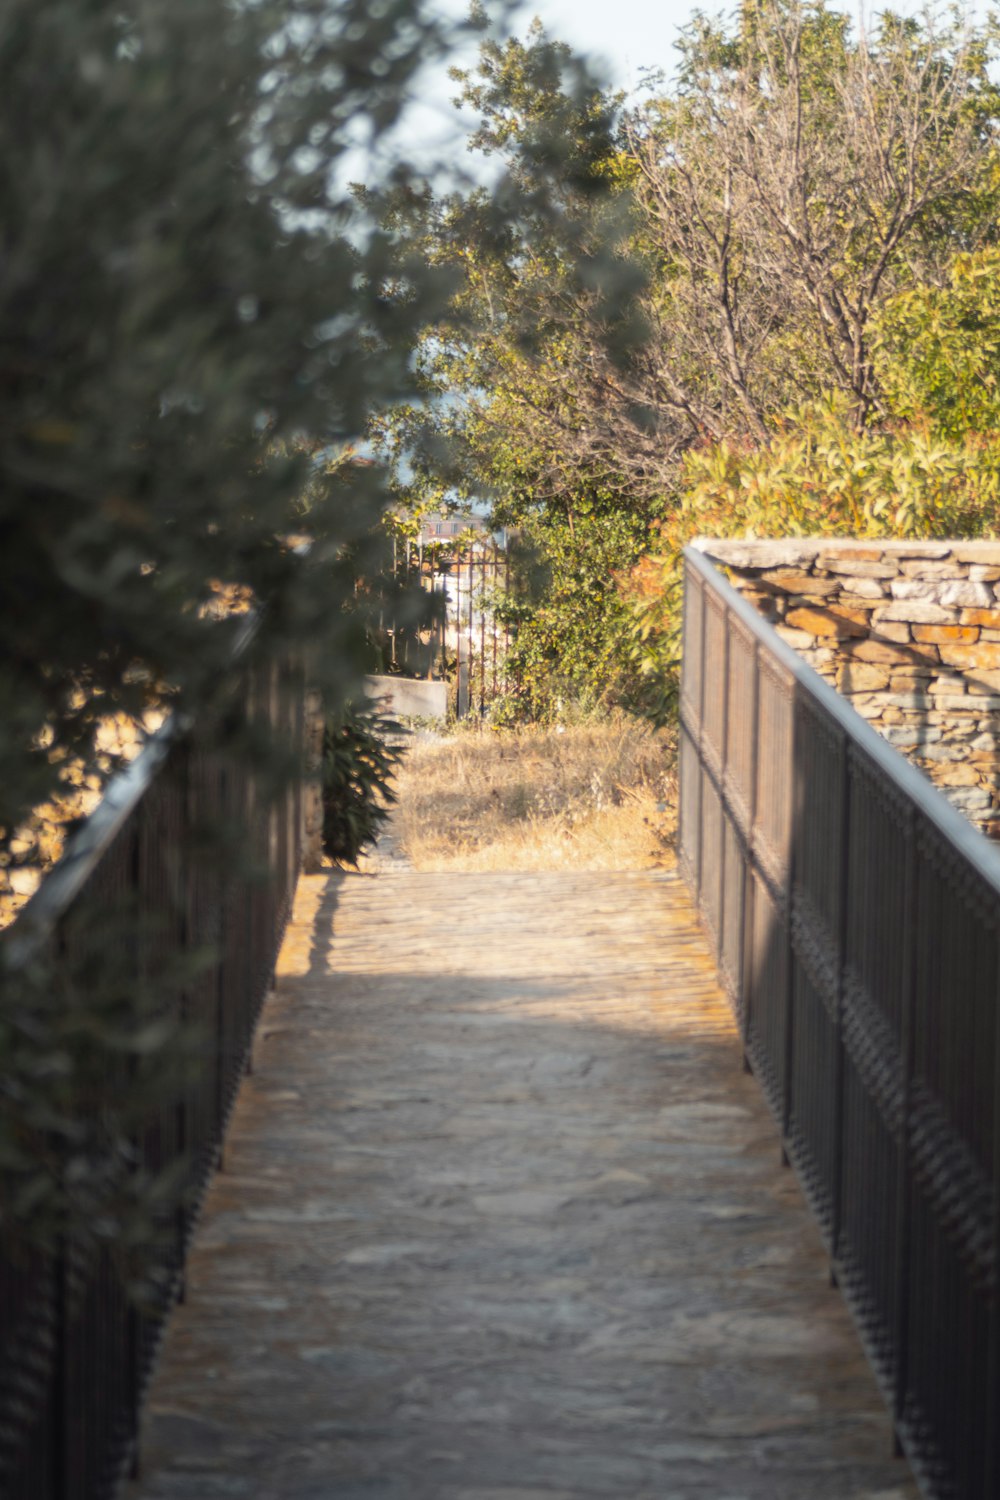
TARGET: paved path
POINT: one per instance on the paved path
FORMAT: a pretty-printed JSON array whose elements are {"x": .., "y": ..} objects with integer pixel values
[{"x": 502, "y": 1219}]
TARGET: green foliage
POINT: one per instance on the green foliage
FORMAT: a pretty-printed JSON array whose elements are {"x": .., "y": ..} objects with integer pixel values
[
  {"x": 539, "y": 110},
  {"x": 358, "y": 763},
  {"x": 932, "y": 469},
  {"x": 667, "y": 281},
  {"x": 847, "y": 270},
  {"x": 200, "y": 317},
  {"x": 570, "y": 615},
  {"x": 195, "y": 308},
  {"x": 930, "y": 466},
  {"x": 80, "y": 1018},
  {"x": 938, "y": 349},
  {"x": 820, "y": 476},
  {"x": 508, "y": 423}
]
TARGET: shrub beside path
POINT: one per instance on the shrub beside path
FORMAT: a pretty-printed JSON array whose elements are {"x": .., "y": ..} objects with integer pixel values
[{"x": 502, "y": 1219}]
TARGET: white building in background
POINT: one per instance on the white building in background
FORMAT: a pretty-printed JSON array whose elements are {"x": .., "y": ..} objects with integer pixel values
[{"x": 447, "y": 526}]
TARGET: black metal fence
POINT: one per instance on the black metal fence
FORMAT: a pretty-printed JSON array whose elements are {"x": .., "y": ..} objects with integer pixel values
[
  {"x": 855, "y": 916},
  {"x": 76, "y": 1347},
  {"x": 468, "y": 642}
]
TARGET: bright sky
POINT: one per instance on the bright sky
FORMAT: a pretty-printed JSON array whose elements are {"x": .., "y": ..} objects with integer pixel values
[
  {"x": 642, "y": 35},
  {"x": 625, "y": 35},
  {"x": 628, "y": 35}
]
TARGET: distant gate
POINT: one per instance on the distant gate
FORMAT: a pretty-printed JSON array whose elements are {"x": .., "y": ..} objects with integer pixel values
[{"x": 467, "y": 643}]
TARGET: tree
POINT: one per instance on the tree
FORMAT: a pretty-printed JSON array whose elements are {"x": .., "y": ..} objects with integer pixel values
[
  {"x": 678, "y": 274},
  {"x": 930, "y": 467},
  {"x": 194, "y": 306},
  {"x": 799, "y": 178},
  {"x": 545, "y": 291},
  {"x": 937, "y": 349},
  {"x": 199, "y": 317}
]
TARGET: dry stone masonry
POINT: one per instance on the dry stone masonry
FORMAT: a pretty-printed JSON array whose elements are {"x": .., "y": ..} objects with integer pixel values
[{"x": 909, "y": 632}]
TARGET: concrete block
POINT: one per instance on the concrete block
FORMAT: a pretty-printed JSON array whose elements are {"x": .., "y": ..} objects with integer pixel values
[{"x": 409, "y": 697}]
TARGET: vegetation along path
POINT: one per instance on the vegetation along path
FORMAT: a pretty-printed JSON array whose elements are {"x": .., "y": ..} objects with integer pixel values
[{"x": 502, "y": 1219}]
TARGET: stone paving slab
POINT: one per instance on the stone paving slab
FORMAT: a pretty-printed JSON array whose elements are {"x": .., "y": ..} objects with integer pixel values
[{"x": 502, "y": 1219}]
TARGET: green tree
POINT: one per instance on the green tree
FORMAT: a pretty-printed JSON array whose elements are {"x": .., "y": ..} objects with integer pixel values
[
  {"x": 929, "y": 467},
  {"x": 194, "y": 307},
  {"x": 545, "y": 286},
  {"x": 937, "y": 349},
  {"x": 676, "y": 275},
  {"x": 199, "y": 317}
]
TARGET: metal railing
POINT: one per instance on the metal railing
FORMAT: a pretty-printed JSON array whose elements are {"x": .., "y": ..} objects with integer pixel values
[
  {"x": 76, "y": 1347},
  {"x": 470, "y": 640},
  {"x": 855, "y": 917}
]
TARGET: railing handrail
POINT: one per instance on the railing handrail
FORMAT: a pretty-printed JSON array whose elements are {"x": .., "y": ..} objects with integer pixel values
[{"x": 979, "y": 851}]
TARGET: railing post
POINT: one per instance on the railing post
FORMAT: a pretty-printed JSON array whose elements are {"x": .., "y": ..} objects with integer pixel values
[
  {"x": 186, "y": 945},
  {"x": 789, "y": 998},
  {"x": 723, "y": 768},
  {"x": 61, "y": 1394},
  {"x": 700, "y": 744},
  {"x": 992, "y": 1466},
  {"x": 844, "y": 861},
  {"x": 750, "y": 892},
  {"x": 902, "y": 1278},
  {"x": 221, "y": 1038}
]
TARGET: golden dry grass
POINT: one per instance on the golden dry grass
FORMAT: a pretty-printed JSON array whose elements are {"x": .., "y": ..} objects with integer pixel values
[{"x": 593, "y": 796}]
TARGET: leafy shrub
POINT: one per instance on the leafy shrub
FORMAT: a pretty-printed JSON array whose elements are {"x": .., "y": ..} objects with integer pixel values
[
  {"x": 937, "y": 349},
  {"x": 928, "y": 467},
  {"x": 568, "y": 615},
  {"x": 358, "y": 764}
]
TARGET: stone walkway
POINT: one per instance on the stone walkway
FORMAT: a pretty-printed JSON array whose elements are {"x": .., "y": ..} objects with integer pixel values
[{"x": 502, "y": 1219}]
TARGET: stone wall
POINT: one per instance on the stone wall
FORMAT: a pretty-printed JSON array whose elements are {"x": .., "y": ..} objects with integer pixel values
[{"x": 909, "y": 632}]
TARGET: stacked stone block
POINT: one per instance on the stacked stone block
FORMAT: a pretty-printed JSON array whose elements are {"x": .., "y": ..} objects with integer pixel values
[{"x": 909, "y": 632}]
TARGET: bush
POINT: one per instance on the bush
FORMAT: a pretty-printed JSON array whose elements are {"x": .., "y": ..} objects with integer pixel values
[{"x": 358, "y": 764}]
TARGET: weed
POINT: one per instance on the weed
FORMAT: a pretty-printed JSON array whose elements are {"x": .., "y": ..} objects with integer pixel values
[{"x": 595, "y": 795}]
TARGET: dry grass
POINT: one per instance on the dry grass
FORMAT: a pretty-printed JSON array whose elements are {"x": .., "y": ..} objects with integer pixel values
[{"x": 595, "y": 796}]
